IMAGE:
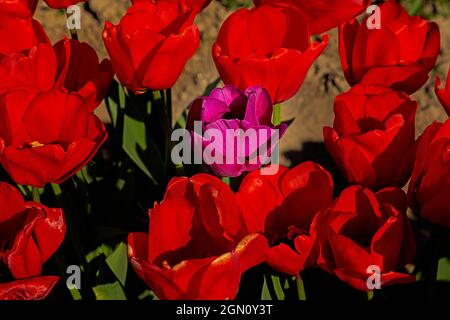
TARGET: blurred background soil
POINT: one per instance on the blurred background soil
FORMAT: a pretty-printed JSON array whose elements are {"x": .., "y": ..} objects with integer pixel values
[{"x": 312, "y": 107}]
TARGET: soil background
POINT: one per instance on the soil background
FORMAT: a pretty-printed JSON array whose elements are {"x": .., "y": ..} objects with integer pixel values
[{"x": 312, "y": 107}]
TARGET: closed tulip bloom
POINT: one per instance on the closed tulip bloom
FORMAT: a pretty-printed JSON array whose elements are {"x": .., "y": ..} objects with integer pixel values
[
  {"x": 399, "y": 55},
  {"x": 373, "y": 136},
  {"x": 443, "y": 94},
  {"x": 46, "y": 136},
  {"x": 429, "y": 188},
  {"x": 29, "y": 235},
  {"x": 45, "y": 67},
  {"x": 196, "y": 247},
  {"x": 266, "y": 46},
  {"x": 322, "y": 15},
  {"x": 362, "y": 231},
  {"x": 152, "y": 43},
  {"x": 282, "y": 207},
  {"x": 230, "y": 110}
]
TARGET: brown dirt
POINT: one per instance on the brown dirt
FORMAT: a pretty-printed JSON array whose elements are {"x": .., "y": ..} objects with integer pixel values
[{"x": 311, "y": 107}]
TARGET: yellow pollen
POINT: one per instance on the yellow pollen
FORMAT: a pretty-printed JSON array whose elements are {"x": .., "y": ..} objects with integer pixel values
[{"x": 36, "y": 144}]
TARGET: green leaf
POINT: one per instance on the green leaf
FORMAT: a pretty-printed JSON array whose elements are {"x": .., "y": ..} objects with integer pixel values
[
  {"x": 265, "y": 293},
  {"x": 94, "y": 254},
  {"x": 182, "y": 119},
  {"x": 443, "y": 269},
  {"x": 278, "y": 287},
  {"x": 415, "y": 7},
  {"x": 109, "y": 291},
  {"x": 115, "y": 102},
  {"x": 137, "y": 137},
  {"x": 118, "y": 262},
  {"x": 148, "y": 294},
  {"x": 135, "y": 142}
]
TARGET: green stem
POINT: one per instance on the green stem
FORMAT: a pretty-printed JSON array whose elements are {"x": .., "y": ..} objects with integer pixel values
[
  {"x": 168, "y": 102},
  {"x": 276, "y": 118},
  {"x": 180, "y": 170},
  {"x": 35, "y": 195},
  {"x": 300, "y": 289}
]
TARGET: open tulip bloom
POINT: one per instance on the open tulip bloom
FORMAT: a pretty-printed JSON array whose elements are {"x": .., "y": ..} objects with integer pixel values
[{"x": 164, "y": 199}]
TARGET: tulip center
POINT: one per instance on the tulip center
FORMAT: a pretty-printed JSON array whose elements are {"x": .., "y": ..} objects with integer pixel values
[
  {"x": 35, "y": 144},
  {"x": 370, "y": 124},
  {"x": 295, "y": 231}
]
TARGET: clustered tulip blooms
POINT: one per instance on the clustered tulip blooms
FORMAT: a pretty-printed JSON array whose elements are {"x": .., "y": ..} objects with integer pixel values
[
  {"x": 215, "y": 228},
  {"x": 197, "y": 246}
]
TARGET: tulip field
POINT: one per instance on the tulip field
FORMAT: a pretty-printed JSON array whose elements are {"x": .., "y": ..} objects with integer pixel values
[{"x": 156, "y": 157}]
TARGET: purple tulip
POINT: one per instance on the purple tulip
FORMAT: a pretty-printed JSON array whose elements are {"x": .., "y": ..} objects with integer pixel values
[{"x": 233, "y": 130}]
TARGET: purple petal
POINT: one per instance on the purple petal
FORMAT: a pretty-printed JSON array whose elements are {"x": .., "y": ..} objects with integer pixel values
[
  {"x": 259, "y": 106},
  {"x": 233, "y": 97}
]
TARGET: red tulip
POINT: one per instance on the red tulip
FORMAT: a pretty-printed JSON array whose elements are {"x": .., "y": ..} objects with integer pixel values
[
  {"x": 62, "y": 4},
  {"x": 373, "y": 136},
  {"x": 399, "y": 55},
  {"x": 29, "y": 234},
  {"x": 36, "y": 288},
  {"x": 429, "y": 188},
  {"x": 152, "y": 43},
  {"x": 196, "y": 247},
  {"x": 443, "y": 94},
  {"x": 18, "y": 34},
  {"x": 282, "y": 207},
  {"x": 267, "y": 46},
  {"x": 45, "y": 67},
  {"x": 323, "y": 15},
  {"x": 362, "y": 229},
  {"x": 20, "y": 8},
  {"x": 46, "y": 136}
]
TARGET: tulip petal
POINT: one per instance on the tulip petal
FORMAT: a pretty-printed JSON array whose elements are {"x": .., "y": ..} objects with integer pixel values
[{"x": 37, "y": 288}]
